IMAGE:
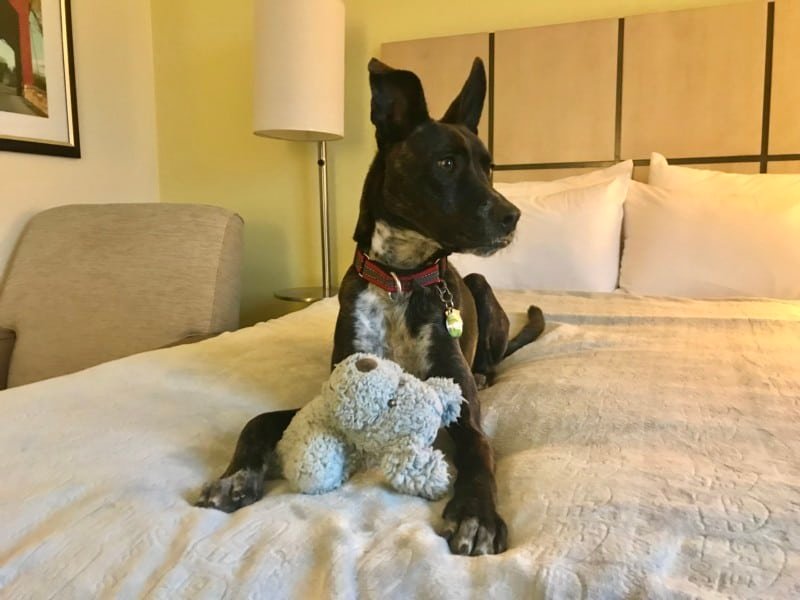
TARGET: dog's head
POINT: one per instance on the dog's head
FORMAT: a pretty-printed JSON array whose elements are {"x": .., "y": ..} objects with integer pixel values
[{"x": 432, "y": 176}]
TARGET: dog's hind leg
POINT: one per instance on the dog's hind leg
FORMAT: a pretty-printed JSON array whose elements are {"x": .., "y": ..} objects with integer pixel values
[
  {"x": 492, "y": 330},
  {"x": 242, "y": 483},
  {"x": 493, "y": 344}
]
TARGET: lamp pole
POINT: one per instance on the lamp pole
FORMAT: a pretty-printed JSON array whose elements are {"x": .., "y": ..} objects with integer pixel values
[{"x": 324, "y": 217}]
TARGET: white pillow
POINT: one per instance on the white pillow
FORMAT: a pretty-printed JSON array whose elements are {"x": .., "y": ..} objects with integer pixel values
[
  {"x": 567, "y": 240},
  {"x": 710, "y": 246},
  {"x": 705, "y": 181},
  {"x": 524, "y": 189}
]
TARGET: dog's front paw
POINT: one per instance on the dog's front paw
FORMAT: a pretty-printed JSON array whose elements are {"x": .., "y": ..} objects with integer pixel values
[
  {"x": 232, "y": 493},
  {"x": 473, "y": 527}
]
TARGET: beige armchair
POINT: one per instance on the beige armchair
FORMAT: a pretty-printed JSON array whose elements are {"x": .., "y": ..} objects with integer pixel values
[{"x": 91, "y": 283}]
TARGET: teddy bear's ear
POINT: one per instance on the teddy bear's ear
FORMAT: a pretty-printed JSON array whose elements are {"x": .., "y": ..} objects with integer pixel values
[{"x": 449, "y": 393}]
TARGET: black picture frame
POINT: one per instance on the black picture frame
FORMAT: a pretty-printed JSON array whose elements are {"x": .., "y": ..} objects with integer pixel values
[{"x": 31, "y": 144}]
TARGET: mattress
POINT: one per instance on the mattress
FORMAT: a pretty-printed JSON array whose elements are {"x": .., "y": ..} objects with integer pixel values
[{"x": 645, "y": 448}]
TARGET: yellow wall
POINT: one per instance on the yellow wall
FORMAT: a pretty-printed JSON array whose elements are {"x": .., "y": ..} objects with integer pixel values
[{"x": 208, "y": 153}]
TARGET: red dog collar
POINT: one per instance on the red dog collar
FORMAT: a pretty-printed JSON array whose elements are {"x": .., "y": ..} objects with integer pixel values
[{"x": 371, "y": 271}]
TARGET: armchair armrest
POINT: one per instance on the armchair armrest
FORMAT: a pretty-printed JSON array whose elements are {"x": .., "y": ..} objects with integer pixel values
[
  {"x": 190, "y": 339},
  {"x": 7, "y": 339}
]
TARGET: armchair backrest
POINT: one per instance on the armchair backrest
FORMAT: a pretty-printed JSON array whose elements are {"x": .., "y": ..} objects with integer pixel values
[{"x": 91, "y": 283}]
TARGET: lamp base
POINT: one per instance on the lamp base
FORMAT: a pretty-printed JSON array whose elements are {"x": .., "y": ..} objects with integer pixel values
[{"x": 306, "y": 295}]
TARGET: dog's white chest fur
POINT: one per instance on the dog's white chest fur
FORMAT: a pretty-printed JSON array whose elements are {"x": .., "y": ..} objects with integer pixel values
[{"x": 381, "y": 329}]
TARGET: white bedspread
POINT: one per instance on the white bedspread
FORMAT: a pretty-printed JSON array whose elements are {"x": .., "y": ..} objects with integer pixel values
[{"x": 646, "y": 448}]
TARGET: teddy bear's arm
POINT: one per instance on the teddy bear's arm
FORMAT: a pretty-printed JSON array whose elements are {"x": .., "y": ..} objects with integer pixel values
[{"x": 417, "y": 471}]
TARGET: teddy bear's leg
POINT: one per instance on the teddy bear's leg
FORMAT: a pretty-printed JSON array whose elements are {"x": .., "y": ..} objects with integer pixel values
[
  {"x": 418, "y": 472},
  {"x": 318, "y": 465}
]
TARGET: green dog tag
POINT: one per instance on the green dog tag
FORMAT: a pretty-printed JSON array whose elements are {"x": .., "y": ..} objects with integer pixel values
[{"x": 453, "y": 322}]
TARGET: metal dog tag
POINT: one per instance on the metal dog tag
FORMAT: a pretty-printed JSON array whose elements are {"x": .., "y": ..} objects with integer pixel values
[{"x": 453, "y": 322}]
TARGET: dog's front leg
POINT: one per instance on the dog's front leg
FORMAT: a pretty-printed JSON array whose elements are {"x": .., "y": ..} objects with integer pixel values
[
  {"x": 472, "y": 525},
  {"x": 242, "y": 483},
  {"x": 347, "y": 333}
]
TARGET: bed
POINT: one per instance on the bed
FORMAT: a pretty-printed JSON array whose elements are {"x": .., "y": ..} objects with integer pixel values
[
  {"x": 647, "y": 444},
  {"x": 646, "y": 447}
]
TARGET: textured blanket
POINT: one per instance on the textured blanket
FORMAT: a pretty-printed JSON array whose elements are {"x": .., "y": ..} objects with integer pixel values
[{"x": 646, "y": 448}]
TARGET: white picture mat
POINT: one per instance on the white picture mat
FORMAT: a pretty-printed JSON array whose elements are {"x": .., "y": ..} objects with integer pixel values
[{"x": 55, "y": 127}]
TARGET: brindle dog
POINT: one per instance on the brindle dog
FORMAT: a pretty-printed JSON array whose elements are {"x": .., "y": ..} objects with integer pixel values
[{"x": 427, "y": 194}]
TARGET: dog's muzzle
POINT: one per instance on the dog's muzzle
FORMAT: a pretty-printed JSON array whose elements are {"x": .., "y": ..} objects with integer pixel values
[{"x": 494, "y": 246}]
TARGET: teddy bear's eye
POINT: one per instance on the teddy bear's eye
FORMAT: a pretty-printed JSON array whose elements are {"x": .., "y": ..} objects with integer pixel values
[{"x": 392, "y": 402}]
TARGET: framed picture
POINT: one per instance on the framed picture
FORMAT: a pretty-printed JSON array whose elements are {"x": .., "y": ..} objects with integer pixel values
[{"x": 38, "y": 108}]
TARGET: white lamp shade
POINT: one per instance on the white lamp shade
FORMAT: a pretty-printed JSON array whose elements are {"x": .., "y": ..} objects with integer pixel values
[{"x": 299, "y": 69}]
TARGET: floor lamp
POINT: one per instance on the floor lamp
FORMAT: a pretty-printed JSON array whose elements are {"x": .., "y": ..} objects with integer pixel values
[{"x": 299, "y": 93}]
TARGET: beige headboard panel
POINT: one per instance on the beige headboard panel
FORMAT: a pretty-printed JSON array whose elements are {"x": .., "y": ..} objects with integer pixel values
[
  {"x": 784, "y": 137},
  {"x": 712, "y": 87},
  {"x": 534, "y": 82}
]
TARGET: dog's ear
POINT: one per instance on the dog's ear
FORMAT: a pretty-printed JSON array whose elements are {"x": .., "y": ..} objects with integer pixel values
[
  {"x": 398, "y": 102},
  {"x": 466, "y": 108}
]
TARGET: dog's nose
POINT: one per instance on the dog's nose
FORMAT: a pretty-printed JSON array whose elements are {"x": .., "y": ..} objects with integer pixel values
[{"x": 509, "y": 219}]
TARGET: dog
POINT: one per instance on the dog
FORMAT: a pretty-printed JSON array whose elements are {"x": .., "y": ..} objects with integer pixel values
[{"x": 427, "y": 194}]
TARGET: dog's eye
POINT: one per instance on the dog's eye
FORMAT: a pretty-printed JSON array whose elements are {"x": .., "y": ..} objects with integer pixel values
[
  {"x": 447, "y": 163},
  {"x": 392, "y": 402}
]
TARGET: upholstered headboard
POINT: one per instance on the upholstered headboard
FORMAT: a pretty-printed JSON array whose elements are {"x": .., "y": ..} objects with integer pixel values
[{"x": 715, "y": 87}]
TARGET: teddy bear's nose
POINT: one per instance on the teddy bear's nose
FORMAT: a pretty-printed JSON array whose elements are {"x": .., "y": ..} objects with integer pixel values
[{"x": 366, "y": 364}]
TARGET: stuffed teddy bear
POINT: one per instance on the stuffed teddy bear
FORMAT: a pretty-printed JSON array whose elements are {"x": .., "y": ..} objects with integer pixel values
[{"x": 371, "y": 414}]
